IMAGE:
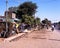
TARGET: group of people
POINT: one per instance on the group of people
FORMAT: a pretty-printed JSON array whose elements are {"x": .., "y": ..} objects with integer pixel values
[
  {"x": 16, "y": 28},
  {"x": 20, "y": 27},
  {"x": 12, "y": 28},
  {"x": 2, "y": 29}
]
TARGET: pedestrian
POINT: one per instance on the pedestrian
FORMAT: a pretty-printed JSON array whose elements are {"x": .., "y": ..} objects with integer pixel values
[
  {"x": 52, "y": 29},
  {"x": 14, "y": 28}
]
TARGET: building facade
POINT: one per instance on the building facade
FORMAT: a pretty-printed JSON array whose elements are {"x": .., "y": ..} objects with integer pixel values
[
  {"x": 2, "y": 18},
  {"x": 10, "y": 14}
]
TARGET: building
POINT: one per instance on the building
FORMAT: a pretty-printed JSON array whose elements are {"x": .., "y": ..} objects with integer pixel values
[
  {"x": 10, "y": 17},
  {"x": 2, "y": 18},
  {"x": 10, "y": 14}
]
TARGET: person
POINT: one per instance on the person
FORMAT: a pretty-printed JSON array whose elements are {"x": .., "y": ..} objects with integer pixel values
[
  {"x": 52, "y": 29},
  {"x": 14, "y": 28},
  {"x": 22, "y": 27}
]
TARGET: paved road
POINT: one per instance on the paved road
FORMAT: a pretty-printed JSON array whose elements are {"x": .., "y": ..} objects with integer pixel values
[{"x": 36, "y": 39}]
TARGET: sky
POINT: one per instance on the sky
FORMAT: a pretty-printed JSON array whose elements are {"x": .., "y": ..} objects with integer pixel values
[{"x": 49, "y": 9}]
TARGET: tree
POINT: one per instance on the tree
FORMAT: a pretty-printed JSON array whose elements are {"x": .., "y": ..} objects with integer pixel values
[
  {"x": 46, "y": 22},
  {"x": 37, "y": 21},
  {"x": 13, "y": 9},
  {"x": 28, "y": 19},
  {"x": 25, "y": 12},
  {"x": 27, "y": 8}
]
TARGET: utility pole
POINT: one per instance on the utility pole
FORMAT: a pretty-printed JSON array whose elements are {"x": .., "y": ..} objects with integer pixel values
[
  {"x": 6, "y": 14},
  {"x": 6, "y": 4},
  {"x": 6, "y": 18}
]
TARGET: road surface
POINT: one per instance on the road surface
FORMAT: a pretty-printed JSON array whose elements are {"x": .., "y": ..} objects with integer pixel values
[{"x": 36, "y": 39}]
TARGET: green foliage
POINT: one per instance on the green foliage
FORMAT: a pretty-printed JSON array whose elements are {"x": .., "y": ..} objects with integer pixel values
[
  {"x": 25, "y": 12},
  {"x": 37, "y": 21},
  {"x": 13, "y": 9},
  {"x": 27, "y": 8},
  {"x": 28, "y": 19},
  {"x": 47, "y": 22}
]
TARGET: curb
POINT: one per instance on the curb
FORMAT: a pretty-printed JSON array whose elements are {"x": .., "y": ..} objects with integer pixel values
[
  {"x": 16, "y": 36},
  {"x": 13, "y": 37}
]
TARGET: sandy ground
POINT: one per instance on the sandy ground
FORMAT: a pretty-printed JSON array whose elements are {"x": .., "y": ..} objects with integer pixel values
[
  {"x": 36, "y": 39},
  {"x": 1, "y": 40}
]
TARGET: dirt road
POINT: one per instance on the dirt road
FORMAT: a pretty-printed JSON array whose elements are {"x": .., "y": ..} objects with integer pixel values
[{"x": 36, "y": 39}]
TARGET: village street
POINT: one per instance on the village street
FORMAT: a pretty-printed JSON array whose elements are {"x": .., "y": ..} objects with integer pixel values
[{"x": 36, "y": 39}]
